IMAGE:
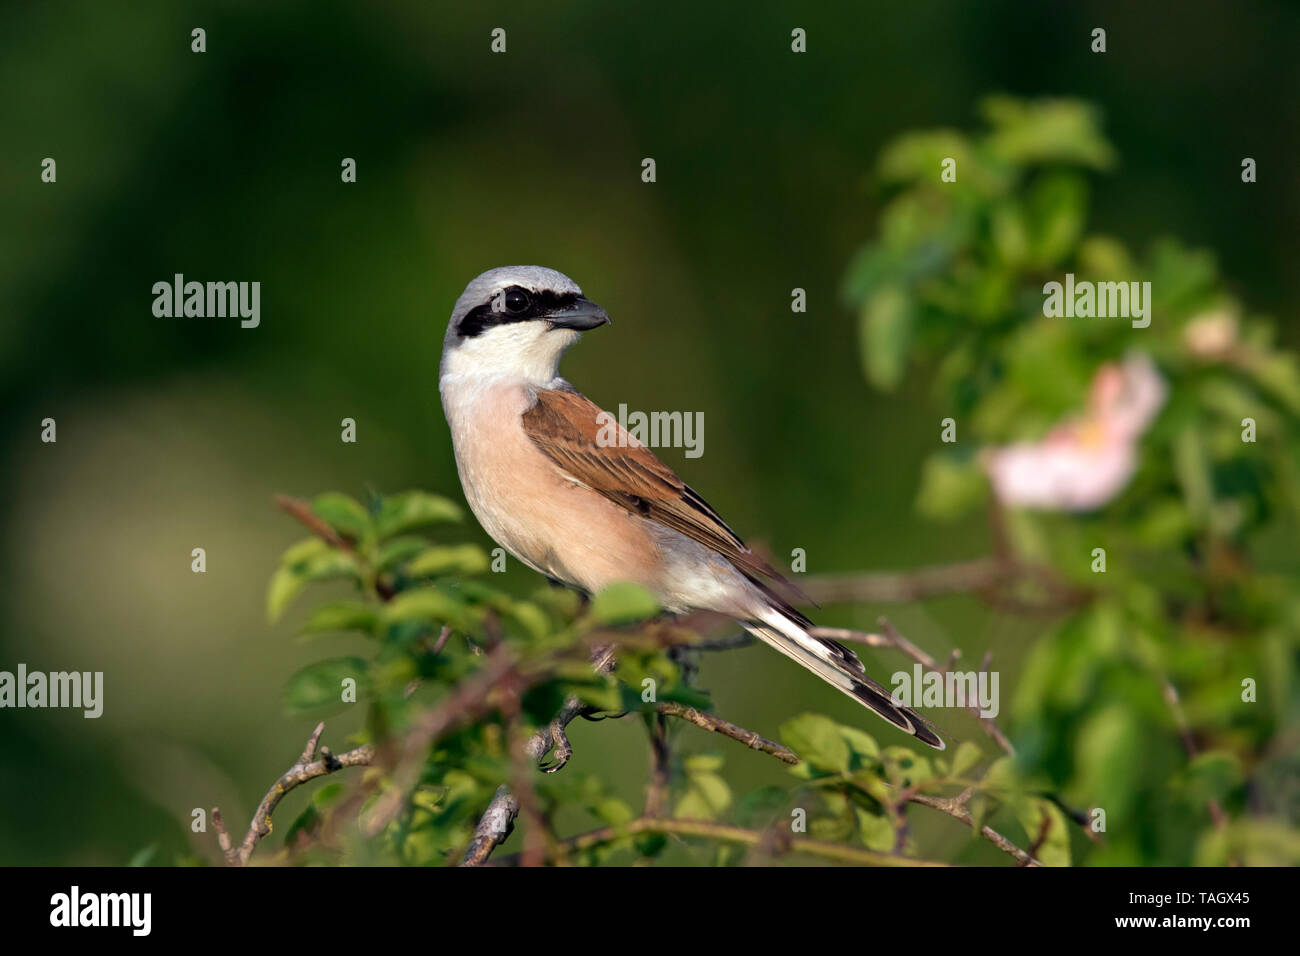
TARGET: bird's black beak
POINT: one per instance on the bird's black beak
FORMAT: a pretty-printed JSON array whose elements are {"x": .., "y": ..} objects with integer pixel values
[{"x": 580, "y": 316}]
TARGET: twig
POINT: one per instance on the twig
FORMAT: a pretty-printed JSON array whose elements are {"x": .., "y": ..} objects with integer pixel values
[
  {"x": 956, "y": 807},
  {"x": 719, "y": 726},
  {"x": 986, "y": 576},
  {"x": 308, "y": 767},
  {"x": 888, "y": 586},
  {"x": 1217, "y": 815},
  {"x": 536, "y": 836},
  {"x": 656, "y": 796},
  {"x": 733, "y": 834},
  {"x": 301, "y": 510},
  {"x": 498, "y": 820},
  {"x": 892, "y": 638},
  {"x": 466, "y": 702}
]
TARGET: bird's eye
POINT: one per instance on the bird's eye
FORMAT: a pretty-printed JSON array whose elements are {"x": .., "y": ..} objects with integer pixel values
[{"x": 517, "y": 301}]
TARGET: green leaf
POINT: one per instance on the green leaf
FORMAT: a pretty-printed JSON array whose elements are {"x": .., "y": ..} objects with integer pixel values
[
  {"x": 1212, "y": 775},
  {"x": 877, "y": 832},
  {"x": 622, "y": 603},
  {"x": 966, "y": 756},
  {"x": 604, "y": 695},
  {"x": 1057, "y": 208},
  {"x": 885, "y": 332},
  {"x": 950, "y": 486},
  {"x": 342, "y": 513},
  {"x": 413, "y": 509},
  {"x": 398, "y": 551},
  {"x": 613, "y": 811},
  {"x": 289, "y": 579},
  {"x": 142, "y": 856},
  {"x": 428, "y": 604},
  {"x": 906, "y": 768},
  {"x": 1047, "y": 131},
  {"x": 304, "y": 550},
  {"x": 343, "y": 616},
  {"x": 818, "y": 741},
  {"x": 321, "y": 685},
  {"x": 702, "y": 763},
  {"x": 707, "y": 796},
  {"x": 1044, "y": 824},
  {"x": 448, "y": 559}
]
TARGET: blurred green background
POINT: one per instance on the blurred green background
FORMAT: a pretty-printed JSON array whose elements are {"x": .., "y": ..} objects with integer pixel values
[{"x": 174, "y": 434}]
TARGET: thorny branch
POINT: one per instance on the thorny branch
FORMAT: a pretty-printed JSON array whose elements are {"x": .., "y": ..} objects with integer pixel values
[
  {"x": 719, "y": 726},
  {"x": 991, "y": 577},
  {"x": 316, "y": 761},
  {"x": 726, "y": 833},
  {"x": 891, "y": 638}
]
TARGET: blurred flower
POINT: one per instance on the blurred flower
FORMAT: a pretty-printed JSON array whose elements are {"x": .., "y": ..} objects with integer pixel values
[
  {"x": 1212, "y": 335},
  {"x": 1084, "y": 462}
]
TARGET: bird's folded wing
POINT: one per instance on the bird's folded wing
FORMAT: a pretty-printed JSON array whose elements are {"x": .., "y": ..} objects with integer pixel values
[{"x": 575, "y": 434}]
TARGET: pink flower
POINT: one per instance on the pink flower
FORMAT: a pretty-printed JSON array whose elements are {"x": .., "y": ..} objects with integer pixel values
[{"x": 1084, "y": 462}]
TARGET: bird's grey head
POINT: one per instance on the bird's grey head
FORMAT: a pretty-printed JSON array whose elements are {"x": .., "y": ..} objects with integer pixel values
[{"x": 516, "y": 321}]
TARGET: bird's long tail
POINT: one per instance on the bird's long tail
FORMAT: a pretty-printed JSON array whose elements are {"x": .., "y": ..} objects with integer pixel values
[{"x": 840, "y": 667}]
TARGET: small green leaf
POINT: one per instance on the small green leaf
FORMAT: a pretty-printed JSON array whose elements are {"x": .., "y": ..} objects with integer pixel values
[
  {"x": 622, "y": 603},
  {"x": 967, "y": 756},
  {"x": 905, "y": 768},
  {"x": 289, "y": 579},
  {"x": 706, "y": 798},
  {"x": 613, "y": 811},
  {"x": 304, "y": 550},
  {"x": 428, "y": 604},
  {"x": 343, "y": 616},
  {"x": 321, "y": 685},
  {"x": 1045, "y": 826},
  {"x": 142, "y": 856},
  {"x": 448, "y": 559},
  {"x": 885, "y": 332},
  {"x": 877, "y": 832},
  {"x": 345, "y": 515},
  {"x": 950, "y": 487},
  {"x": 398, "y": 551},
  {"x": 702, "y": 763},
  {"x": 817, "y": 740},
  {"x": 413, "y": 509}
]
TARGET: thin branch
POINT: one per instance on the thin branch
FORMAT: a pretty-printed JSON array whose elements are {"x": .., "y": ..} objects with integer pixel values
[
  {"x": 892, "y": 638},
  {"x": 536, "y": 836},
  {"x": 719, "y": 726},
  {"x": 314, "y": 762},
  {"x": 498, "y": 820},
  {"x": 496, "y": 824},
  {"x": 656, "y": 795},
  {"x": 889, "y": 586},
  {"x": 468, "y": 701},
  {"x": 301, "y": 511},
  {"x": 988, "y": 576},
  {"x": 1217, "y": 815},
  {"x": 733, "y": 834},
  {"x": 955, "y": 807}
]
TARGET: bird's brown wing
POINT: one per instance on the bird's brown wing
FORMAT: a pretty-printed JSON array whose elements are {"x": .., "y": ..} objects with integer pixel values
[{"x": 567, "y": 427}]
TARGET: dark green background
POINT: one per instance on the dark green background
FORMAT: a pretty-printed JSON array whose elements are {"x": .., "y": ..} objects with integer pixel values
[{"x": 174, "y": 434}]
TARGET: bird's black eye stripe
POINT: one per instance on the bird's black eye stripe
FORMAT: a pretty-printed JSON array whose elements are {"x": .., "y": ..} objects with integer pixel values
[{"x": 514, "y": 304}]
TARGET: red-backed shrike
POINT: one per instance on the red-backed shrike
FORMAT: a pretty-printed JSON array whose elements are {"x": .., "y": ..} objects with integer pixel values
[{"x": 587, "y": 512}]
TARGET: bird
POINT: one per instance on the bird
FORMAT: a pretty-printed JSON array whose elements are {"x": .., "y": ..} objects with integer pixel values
[{"x": 585, "y": 511}]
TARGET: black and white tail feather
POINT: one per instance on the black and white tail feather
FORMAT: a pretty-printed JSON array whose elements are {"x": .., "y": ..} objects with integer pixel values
[{"x": 839, "y": 667}]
